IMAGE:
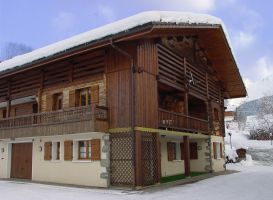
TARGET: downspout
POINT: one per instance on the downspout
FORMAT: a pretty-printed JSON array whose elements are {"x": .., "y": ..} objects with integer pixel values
[{"x": 132, "y": 94}]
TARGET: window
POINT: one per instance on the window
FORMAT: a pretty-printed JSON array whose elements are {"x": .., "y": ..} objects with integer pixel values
[
  {"x": 173, "y": 150},
  {"x": 193, "y": 151},
  {"x": 56, "y": 146},
  {"x": 84, "y": 150},
  {"x": 4, "y": 113},
  {"x": 217, "y": 150},
  {"x": 85, "y": 97},
  {"x": 52, "y": 150},
  {"x": 35, "y": 108},
  {"x": 57, "y": 101}
]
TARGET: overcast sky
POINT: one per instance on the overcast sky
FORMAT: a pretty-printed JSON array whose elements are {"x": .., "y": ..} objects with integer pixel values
[{"x": 39, "y": 23}]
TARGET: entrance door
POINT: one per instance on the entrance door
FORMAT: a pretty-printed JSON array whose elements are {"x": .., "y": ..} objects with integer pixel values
[{"x": 21, "y": 161}]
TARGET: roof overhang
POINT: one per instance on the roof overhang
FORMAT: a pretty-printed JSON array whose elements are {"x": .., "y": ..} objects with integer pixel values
[
  {"x": 214, "y": 40},
  {"x": 212, "y": 37}
]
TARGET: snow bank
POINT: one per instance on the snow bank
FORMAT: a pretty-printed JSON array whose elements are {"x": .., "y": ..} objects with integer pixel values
[
  {"x": 241, "y": 166},
  {"x": 231, "y": 153},
  {"x": 112, "y": 29},
  {"x": 240, "y": 139}
]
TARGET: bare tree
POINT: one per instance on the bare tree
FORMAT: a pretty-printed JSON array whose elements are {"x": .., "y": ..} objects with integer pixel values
[{"x": 12, "y": 49}]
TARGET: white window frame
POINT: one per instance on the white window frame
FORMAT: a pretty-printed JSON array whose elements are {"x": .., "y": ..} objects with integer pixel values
[
  {"x": 178, "y": 151},
  {"x": 76, "y": 151},
  {"x": 54, "y": 151}
]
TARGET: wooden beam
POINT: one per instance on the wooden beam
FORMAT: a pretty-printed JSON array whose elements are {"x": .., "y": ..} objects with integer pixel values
[
  {"x": 186, "y": 152},
  {"x": 8, "y": 100},
  {"x": 40, "y": 91},
  {"x": 186, "y": 107}
]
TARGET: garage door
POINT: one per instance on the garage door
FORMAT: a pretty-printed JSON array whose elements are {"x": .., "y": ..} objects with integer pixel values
[{"x": 21, "y": 161}]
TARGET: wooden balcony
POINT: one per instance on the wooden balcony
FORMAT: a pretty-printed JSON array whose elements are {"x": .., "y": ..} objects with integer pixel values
[
  {"x": 179, "y": 122},
  {"x": 66, "y": 121}
]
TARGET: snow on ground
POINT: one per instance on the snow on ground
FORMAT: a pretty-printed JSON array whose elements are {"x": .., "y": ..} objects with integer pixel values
[
  {"x": 252, "y": 181},
  {"x": 255, "y": 182}
]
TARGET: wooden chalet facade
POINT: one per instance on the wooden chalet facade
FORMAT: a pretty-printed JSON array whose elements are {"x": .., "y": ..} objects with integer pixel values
[{"x": 124, "y": 109}]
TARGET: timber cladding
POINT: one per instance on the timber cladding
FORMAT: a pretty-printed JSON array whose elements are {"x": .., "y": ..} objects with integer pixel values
[
  {"x": 67, "y": 91},
  {"x": 146, "y": 94},
  {"x": 118, "y": 75},
  {"x": 76, "y": 68}
]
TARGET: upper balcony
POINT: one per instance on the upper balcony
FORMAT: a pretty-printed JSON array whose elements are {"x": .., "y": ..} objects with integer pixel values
[
  {"x": 67, "y": 121},
  {"x": 180, "y": 122}
]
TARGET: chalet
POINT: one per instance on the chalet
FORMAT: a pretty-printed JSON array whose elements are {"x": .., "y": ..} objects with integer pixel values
[{"x": 125, "y": 104}]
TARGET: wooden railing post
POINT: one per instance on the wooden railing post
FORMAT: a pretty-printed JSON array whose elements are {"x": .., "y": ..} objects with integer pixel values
[{"x": 186, "y": 109}]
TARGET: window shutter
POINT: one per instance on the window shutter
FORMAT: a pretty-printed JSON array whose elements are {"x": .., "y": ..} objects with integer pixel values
[
  {"x": 95, "y": 149},
  {"x": 182, "y": 150},
  {"x": 49, "y": 102},
  {"x": 193, "y": 151},
  {"x": 72, "y": 98},
  {"x": 221, "y": 151},
  {"x": 214, "y": 150},
  {"x": 47, "y": 150},
  {"x": 170, "y": 150},
  {"x": 68, "y": 150},
  {"x": 95, "y": 94}
]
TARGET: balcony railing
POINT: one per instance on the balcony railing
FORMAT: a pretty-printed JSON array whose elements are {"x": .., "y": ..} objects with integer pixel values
[
  {"x": 70, "y": 120},
  {"x": 177, "y": 121}
]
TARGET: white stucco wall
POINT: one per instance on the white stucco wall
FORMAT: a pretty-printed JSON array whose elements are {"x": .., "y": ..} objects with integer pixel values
[
  {"x": 198, "y": 165},
  {"x": 169, "y": 168},
  {"x": 218, "y": 164},
  {"x": 77, "y": 172}
]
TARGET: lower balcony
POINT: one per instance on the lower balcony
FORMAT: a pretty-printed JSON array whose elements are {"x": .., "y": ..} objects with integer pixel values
[
  {"x": 179, "y": 122},
  {"x": 66, "y": 121}
]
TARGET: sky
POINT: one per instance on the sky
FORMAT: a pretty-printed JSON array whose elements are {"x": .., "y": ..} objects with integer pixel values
[{"x": 39, "y": 23}]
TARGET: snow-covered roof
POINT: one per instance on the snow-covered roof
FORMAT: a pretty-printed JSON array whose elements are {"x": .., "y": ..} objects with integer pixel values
[{"x": 108, "y": 30}]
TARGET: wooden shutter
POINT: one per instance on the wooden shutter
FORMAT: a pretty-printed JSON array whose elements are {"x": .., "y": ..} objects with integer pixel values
[
  {"x": 68, "y": 150},
  {"x": 49, "y": 102},
  {"x": 182, "y": 150},
  {"x": 170, "y": 151},
  {"x": 95, "y": 94},
  {"x": 47, "y": 150},
  {"x": 95, "y": 149},
  {"x": 193, "y": 151},
  {"x": 214, "y": 150},
  {"x": 72, "y": 100}
]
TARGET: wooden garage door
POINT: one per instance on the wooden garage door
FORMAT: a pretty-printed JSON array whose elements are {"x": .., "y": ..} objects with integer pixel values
[{"x": 21, "y": 161}]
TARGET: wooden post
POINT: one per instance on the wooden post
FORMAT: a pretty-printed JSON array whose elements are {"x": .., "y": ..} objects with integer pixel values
[
  {"x": 8, "y": 101},
  {"x": 8, "y": 107},
  {"x": 158, "y": 148},
  {"x": 186, "y": 152},
  {"x": 40, "y": 92},
  {"x": 186, "y": 105},
  {"x": 138, "y": 160},
  {"x": 210, "y": 116}
]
